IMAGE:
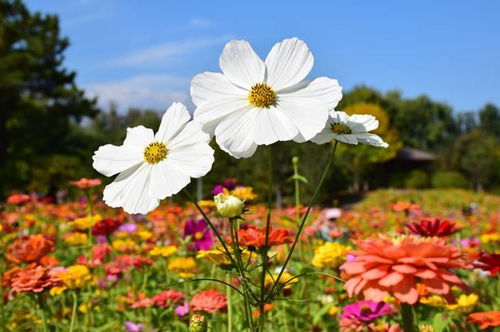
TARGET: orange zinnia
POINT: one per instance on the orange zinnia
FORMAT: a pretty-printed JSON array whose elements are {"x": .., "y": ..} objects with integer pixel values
[
  {"x": 29, "y": 249},
  {"x": 85, "y": 183},
  {"x": 485, "y": 319},
  {"x": 18, "y": 199},
  {"x": 256, "y": 237},
  {"x": 33, "y": 279},
  {"x": 384, "y": 266}
]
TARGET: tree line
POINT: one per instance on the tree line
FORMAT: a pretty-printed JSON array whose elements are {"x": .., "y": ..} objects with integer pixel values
[{"x": 49, "y": 128}]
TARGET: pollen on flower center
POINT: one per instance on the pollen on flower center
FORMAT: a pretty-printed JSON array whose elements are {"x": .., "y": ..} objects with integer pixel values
[
  {"x": 155, "y": 152},
  {"x": 340, "y": 128},
  {"x": 198, "y": 235},
  {"x": 261, "y": 95}
]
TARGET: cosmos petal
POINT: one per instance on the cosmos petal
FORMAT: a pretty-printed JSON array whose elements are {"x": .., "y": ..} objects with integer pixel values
[
  {"x": 139, "y": 137},
  {"x": 272, "y": 125},
  {"x": 172, "y": 122},
  {"x": 209, "y": 86},
  {"x": 166, "y": 179},
  {"x": 129, "y": 190},
  {"x": 288, "y": 63},
  {"x": 111, "y": 159},
  {"x": 211, "y": 113},
  {"x": 235, "y": 133},
  {"x": 241, "y": 65}
]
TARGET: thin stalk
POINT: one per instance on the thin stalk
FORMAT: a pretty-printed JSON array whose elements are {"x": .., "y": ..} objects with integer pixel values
[
  {"x": 73, "y": 312},
  {"x": 246, "y": 289},
  {"x": 407, "y": 316},
  {"x": 229, "y": 306},
  {"x": 266, "y": 247},
  {"x": 219, "y": 237},
  {"x": 90, "y": 206},
  {"x": 42, "y": 311},
  {"x": 295, "y": 162},
  {"x": 304, "y": 219}
]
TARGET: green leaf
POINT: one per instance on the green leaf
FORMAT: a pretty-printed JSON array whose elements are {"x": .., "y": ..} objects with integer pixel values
[
  {"x": 440, "y": 323},
  {"x": 319, "y": 315}
]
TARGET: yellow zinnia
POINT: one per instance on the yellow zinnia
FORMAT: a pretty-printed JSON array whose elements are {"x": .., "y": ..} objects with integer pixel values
[
  {"x": 184, "y": 267},
  {"x": 76, "y": 276},
  {"x": 465, "y": 303},
  {"x": 163, "y": 251},
  {"x": 330, "y": 254}
]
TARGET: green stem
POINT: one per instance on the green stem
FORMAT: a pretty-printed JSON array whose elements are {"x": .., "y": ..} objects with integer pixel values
[
  {"x": 42, "y": 311},
  {"x": 90, "y": 206},
  {"x": 241, "y": 271},
  {"x": 266, "y": 247},
  {"x": 295, "y": 163},
  {"x": 229, "y": 306},
  {"x": 304, "y": 219},
  {"x": 407, "y": 317},
  {"x": 211, "y": 225},
  {"x": 73, "y": 312}
]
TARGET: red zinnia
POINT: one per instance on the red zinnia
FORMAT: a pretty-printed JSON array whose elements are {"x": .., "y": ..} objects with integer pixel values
[
  {"x": 256, "y": 236},
  {"x": 106, "y": 226},
  {"x": 432, "y": 227},
  {"x": 165, "y": 298},
  {"x": 125, "y": 262},
  {"x": 488, "y": 262},
  {"x": 209, "y": 301},
  {"x": 29, "y": 249}
]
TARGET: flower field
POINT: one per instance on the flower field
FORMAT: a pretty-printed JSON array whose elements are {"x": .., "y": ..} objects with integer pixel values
[{"x": 83, "y": 266}]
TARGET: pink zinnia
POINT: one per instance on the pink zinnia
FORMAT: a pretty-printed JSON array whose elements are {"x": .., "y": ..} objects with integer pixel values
[
  {"x": 384, "y": 266},
  {"x": 209, "y": 301}
]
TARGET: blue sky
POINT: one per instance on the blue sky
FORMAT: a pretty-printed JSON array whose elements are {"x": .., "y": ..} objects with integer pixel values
[{"x": 144, "y": 53}]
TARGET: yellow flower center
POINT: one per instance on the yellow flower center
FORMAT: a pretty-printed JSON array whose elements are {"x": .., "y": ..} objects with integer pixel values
[
  {"x": 155, "y": 152},
  {"x": 198, "y": 235},
  {"x": 340, "y": 129},
  {"x": 261, "y": 95}
]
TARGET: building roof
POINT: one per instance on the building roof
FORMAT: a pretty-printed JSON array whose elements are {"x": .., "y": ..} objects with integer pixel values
[{"x": 407, "y": 153}]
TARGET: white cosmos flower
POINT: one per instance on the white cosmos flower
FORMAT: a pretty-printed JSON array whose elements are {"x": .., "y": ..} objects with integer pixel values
[
  {"x": 350, "y": 129},
  {"x": 152, "y": 167},
  {"x": 254, "y": 102}
]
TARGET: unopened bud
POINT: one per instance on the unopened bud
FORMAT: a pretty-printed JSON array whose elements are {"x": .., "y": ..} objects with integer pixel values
[
  {"x": 229, "y": 206},
  {"x": 198, "y": 323}
]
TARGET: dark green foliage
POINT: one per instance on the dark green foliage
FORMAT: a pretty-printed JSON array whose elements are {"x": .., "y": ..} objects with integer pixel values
[
  {"x": 417, "y": 179},
  {"x": 449, "y": 179},
  {"x": 39, "y": 100}
]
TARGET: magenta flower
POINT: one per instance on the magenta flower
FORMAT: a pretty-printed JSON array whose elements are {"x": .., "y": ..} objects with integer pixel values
[
  {"x": 127, "y": 228},
  {"x": 366, "y": 311},
  {"x": 228, "y": 184},
  {"x": 133, "y": 327},
  {"x": 201, "y": 235},
  {"x": 182, "y": 310}
]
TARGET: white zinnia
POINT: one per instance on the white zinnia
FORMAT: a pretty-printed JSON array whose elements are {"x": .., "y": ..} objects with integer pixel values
[
  {"x": 253, "y": 102},
  {"x": 151, "y": 166},
  {"x": 350, "y": 129}
]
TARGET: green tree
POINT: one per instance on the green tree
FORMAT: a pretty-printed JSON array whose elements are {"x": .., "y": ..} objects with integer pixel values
[
  {"x": 478, "y": 155},
  {"x": 360, "y": 159},
  {"x": 39, "y": 100},
  {"x": 489, "y": 120}
]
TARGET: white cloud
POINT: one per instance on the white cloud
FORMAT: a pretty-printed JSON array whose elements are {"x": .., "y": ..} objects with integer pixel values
[
  {"x": 144, "y": 91},
  {"x": 199, "y": 22},
  {"x": 165, "y": 51}
]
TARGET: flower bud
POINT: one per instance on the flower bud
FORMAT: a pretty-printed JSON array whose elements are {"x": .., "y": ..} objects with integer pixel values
[
  {"x": 198, "y": 324},
  {"x": 229, "y": 206}
]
